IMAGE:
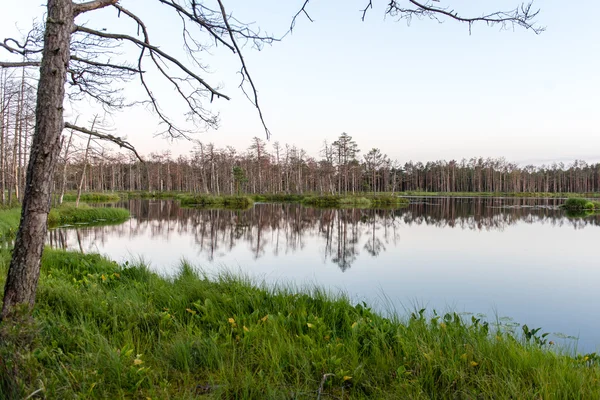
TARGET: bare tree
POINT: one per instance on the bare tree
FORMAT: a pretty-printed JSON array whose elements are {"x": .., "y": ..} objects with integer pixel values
[{"x": 77, "y": 61}]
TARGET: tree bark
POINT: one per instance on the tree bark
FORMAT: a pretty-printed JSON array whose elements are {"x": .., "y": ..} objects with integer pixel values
[{"x": 24, "y": 270}]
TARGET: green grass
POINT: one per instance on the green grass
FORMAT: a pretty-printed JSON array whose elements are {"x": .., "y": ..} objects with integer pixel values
[
  {"x": 65, "y": 214},
  {"x": 367, "y": 201},
  {"x": 203, "y": 201},
  {"x": 153, "y": 195},
  {"x": 579, "y": 204},
  {"x": 92, "y": 197},
  {"x": 382, "y": 200},
  {"x": 279, "y": 197},
  {"x": 102, "y": 330},
  {"x": 69, "y": 214},
  {"x": 9, "y": 222},
  {"x": 327, "y": 201}
]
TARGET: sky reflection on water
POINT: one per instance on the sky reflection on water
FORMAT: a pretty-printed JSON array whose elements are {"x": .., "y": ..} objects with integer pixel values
[{"x": 521, "y": 258}]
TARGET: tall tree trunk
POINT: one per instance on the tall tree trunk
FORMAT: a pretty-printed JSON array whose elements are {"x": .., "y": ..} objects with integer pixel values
[
  {"x": 24, "y": 270},
  {"x": 64, "y": 175},
  {"x": 85, "y": 159}
]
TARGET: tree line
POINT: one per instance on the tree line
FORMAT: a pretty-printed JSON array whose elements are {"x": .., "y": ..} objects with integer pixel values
[
  {"x": 340, "y": 168},
  {"x": 85, "y": 164}
]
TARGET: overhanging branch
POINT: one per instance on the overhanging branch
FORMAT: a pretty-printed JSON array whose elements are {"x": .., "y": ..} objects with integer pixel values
[
  {"x": 116, "y": 140},
  {"x": 6, "y": 64},
  {"x": 79, "y": 8},
  {"x": 118, "y": 36},
  {"x": 245, "y": 73}
]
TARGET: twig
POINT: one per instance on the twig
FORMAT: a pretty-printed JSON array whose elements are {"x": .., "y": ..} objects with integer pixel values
[{"x": 323, "y": 380}]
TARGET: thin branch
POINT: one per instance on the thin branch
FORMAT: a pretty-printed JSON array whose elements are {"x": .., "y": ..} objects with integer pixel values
[
  {"x": 117, "y": 36},
  {"x": 196, "y": 18},
  {"x": 301, "y": 11},
  {"x": 79, "y": 8},
  {"x": 118, "y": 141},
  {"x": 364, "y": 11},
  {"x": 6, "y": 64},
  {"x": 193, "y": 104},
  {"x": 522, "y": 16},
  {"x": 244, "y": 69},
  {"x": 109, "y": 65}
]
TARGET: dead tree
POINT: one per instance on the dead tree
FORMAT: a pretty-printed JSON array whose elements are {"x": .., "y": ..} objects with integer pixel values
[{"x": 76, "y": 61}]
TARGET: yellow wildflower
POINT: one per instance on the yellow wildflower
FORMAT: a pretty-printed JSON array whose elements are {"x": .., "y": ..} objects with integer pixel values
[
  {"x": 347, "y": 378},
  {"x": 474, "y": 364}
]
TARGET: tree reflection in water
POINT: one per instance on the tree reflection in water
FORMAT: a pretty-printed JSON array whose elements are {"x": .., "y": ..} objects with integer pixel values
[{"x": 278, "y": 228}]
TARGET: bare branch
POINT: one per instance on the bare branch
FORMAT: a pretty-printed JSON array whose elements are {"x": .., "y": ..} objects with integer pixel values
[
  {"x": 245, "y": 73},
  {"x": 107, "y": 64},
  {"x": 79, "y": 8},
  {"x": 118, "y": 141},
  {"x": 364, "y": 11},
  {"x": 6, "y": 64},
  {"x": 117, "y": 36},
  {"x": 192, "y": 99},
  {"x": 301, "y": 11},
  {"x": 522, "y": 16},
  {"x": 193, "y": 16}
]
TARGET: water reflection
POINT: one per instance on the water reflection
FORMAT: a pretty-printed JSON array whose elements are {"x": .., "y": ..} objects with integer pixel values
[{"x": 342, "y": 235}]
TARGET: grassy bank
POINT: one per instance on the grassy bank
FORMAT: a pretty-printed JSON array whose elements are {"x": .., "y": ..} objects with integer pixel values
[
  {"x": 65, "y": 214},
  {"x": 278, "y": 197},
  {"x": 241, "y": 202},
  {"x": 154, "y": 195},
  {"x": 69, "y": 214},
  {"x": 92, "y": 197},
  {"x": 368, "y": 201},
  {"x": 101, "y": 330},
  {"x": 579, "y": 204}
]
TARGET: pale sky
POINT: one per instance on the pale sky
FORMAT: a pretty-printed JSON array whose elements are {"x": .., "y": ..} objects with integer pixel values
[{"x": 421, "y": 92}]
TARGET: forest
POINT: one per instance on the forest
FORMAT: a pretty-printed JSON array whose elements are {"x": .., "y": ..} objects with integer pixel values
[{"x": 341, "y": 167}]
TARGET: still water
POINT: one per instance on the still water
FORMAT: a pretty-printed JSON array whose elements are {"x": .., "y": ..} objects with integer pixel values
[{"x": 522, "y": 259}]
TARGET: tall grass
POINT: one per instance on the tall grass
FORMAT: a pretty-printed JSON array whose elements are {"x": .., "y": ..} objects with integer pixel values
[
  {"x": 69, "y": 214},
  {"x": 9, "y": 222},
  {"x": 64, "y": 214},
  {"x": 205, "y": 201},
  {"x": 336, "y": 201},
  {"x": 103, "y": 330},
  {"x": 153, "y": 195},
  {"x": 367, "y": 201},
  {"x": 93, "y": 197},
  {"x": 279, "y": 197},
  {"x": 579, "y": 204}
]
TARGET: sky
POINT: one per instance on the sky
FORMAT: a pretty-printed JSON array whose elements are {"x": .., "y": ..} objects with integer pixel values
[{"x": 420, "y": 91}]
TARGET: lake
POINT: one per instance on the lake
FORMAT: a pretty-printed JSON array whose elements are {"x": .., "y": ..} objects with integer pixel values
[{"x": 512, "y": 260}]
